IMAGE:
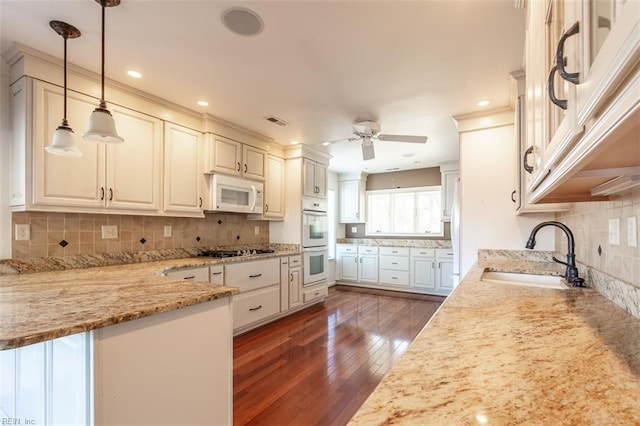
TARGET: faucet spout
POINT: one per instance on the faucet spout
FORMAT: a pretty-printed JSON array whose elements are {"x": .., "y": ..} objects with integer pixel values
[{"x": 571, "y": 272}]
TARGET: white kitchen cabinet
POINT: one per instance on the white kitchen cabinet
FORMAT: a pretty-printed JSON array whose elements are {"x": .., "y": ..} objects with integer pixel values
[
  {"x": 315, "y": 179},
  {"x": 199, "y": 274},
  {"x": 448, "y": 177},
  {"x": 314, "y": 292},
  {"x": 394, "y": 266},
  {"x": 170, "y": 368},
  {"x": 290, "y": 282},
  {"x": 352, "y": 201},
  {"x": 423, "y": 277},
  {"x": 182, "y": 172},
  {"x": 235, "y": 158},
  {"x": 124, "y": 177},
  {"x": 574, "y": 151},
  {"x": 347, "y": 262},
  {"x": 368, "y": 264},
  {"x": 260, "y": 284},
  {"x": 274, "y": 190},
  {"x": 444, "y": 271}
]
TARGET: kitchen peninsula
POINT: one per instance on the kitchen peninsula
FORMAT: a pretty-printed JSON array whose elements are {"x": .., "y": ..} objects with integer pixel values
[{"x": 148, "y": 332}]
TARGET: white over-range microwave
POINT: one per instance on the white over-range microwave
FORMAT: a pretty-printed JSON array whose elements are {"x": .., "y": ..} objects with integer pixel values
[{"x": 234, "y": 194}]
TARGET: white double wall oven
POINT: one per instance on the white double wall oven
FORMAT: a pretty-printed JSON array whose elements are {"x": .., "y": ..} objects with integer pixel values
[{"x": 314, "y": 241}]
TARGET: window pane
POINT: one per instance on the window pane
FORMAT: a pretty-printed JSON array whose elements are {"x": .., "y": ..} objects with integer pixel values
[
  {"x": 414, "y": 211},
  {"x": 428, "y": 212},
  {"x": 403, "y": 213},
  {"x": 379, "y": 213}
]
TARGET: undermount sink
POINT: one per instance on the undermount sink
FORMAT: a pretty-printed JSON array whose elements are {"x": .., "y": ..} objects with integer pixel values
[{"x": 527, "y": 280}]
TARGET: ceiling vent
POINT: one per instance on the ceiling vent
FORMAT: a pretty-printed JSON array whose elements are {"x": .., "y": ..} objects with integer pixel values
[{"x": 276, "y": 120}]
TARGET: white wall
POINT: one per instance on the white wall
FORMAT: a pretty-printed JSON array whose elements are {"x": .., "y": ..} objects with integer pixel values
[
  {"x": 488, "y": 177},
  {"x": 5, "y": 144}
]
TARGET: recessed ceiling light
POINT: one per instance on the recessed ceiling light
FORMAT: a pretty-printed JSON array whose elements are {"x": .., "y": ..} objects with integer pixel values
[
  {"x": 134, "y": 74},
  {"x": 203, "y": 103},
  {"x": 326, "y": 143},
  {"x": 484, "y": 103},
  {"x": 408, "y": 154},
  {"x": 294, "y": 142},
  {"x": 243, "y": 21}
]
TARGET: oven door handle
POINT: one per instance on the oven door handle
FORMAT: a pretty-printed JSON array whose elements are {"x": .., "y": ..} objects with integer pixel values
[{"x": 255, "y": 195}]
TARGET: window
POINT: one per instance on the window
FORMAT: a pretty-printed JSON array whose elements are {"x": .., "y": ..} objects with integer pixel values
[
  {"x": 331, "y": 223},
  {"x": 409, "y": 211}
]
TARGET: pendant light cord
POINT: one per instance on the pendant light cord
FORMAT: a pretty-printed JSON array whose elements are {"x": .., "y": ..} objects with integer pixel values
[
  {"x": 102, "y": 102},
  {"x": 64, "y": 117}
]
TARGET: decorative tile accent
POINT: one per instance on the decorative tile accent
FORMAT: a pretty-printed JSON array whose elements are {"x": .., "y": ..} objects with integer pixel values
[
  {"x": 198, "y": 239},
  {"x": 142, "y": 240},
  {"x": 63, "y": 243}
]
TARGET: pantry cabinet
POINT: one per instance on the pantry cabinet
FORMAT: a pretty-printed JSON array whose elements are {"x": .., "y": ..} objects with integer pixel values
[
  {"x": 315, "y": 179},
  {"x": 182, "y": 172},
  {"x": 125, "y": 177},
  {"x": 234, "y": 158},
  {"x": 353, "y": 199},
  {"x": 448, "y": 177}
]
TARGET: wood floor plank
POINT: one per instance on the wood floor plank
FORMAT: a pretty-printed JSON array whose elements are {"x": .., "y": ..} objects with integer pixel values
[{"x": 319, "y": 365}]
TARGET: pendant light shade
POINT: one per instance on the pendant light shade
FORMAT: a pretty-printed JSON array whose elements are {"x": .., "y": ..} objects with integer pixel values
[
  {"x": 64, "y": 140},
  {"x": 102, "y": 126}
]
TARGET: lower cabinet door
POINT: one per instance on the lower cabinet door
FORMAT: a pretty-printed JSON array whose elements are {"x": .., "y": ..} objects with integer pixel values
[
  {"x": 399, "y": 278},
  {"x": 255, "y": 305}
]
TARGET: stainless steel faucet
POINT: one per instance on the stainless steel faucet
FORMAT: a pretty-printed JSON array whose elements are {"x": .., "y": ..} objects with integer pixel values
[{"x": 571, "y": 273}]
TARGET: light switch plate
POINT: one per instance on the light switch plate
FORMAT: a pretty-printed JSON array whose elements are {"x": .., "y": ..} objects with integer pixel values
[
  {"x": 632, "y": 231},
  {"x": 256, "y": 230},
  {"x": 614, "y": 231},
  {"x": 23, "y": 233},
  {"x": 109, "y": 232},
  {"x": 168, "y": 231}
]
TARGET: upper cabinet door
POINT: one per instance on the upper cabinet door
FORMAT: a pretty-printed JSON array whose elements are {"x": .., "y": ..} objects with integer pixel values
[
  {"x": 274, "y": 188},
  {"x": 309, "y": 177},
  {"x": 65, "y": 181},
  {"x": 226, "y": 156},
  {"x": 133, "y": 167},
  {"x": 253, "y": 162},
  {"x": 181, "y": 170},
  {"x": 321, "y": 180}
]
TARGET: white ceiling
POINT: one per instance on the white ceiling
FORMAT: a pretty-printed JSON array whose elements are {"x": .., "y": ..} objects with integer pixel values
[{"x": 319, "y": 65}]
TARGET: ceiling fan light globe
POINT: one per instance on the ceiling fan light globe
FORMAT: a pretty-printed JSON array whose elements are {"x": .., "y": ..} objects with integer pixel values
[
  {"x": 102, "y": 128},
  {"x": 63, "y": 143}
]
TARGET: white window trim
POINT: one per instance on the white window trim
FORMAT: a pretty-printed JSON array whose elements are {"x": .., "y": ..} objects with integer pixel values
[{"x": 433, "y": 188}]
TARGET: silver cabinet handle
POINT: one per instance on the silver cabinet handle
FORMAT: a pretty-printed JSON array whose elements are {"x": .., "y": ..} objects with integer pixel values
[
  {"x": 394, "y": 263},
  {"x": 255, "y": 276},
  {"x": 255, "y": 309}
]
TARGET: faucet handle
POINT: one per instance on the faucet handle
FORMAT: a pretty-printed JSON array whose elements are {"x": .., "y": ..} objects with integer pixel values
[{"x": 555, "y": 259}]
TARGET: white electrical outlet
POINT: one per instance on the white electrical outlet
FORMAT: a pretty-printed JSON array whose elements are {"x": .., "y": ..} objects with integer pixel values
[
  {"x": 256, "y": 230},
  {"x": 23, "y": 233},
  {"x": 168, "y": 231},
  {"x": 109, "y": 232},
  {"x": 354, "y": 229},
  {"x": 632, "y": 231},
  {"x": 614, "y": 231}
]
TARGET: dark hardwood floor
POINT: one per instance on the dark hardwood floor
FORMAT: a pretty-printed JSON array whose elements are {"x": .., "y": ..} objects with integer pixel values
[{"x": 318, "y": 366}]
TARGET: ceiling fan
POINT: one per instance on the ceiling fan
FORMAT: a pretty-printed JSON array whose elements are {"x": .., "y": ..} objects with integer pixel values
[{"x": 367, "y": 131}]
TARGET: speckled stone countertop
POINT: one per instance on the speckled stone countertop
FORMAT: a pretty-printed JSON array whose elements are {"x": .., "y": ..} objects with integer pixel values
[
  {"x": 502, "y": 354},
  {"x": 40, "y": 306},
  {"x": 396, "y": 242}
]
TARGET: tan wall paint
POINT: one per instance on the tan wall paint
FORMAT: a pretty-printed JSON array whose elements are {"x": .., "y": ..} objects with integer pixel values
[{"x": 404, "y": 179}]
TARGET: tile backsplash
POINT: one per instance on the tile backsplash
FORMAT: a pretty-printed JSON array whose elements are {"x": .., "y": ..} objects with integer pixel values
[
  {"x": 589, "y": 223},
  {"x": 64, "y": 234}
]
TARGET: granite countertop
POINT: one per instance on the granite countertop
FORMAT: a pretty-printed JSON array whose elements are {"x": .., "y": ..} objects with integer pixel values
[
  {"x": 40, "y": 306},
  {"x": 501, "y": 354},
  {"x": 396, "y": 242}
]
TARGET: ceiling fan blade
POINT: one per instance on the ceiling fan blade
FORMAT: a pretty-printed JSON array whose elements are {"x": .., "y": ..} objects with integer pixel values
[{"x": 402, "y": 138}]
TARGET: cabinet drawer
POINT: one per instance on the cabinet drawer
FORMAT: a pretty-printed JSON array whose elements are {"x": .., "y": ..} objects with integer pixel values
[
  {"x": 444, "y": 253},
  {"x": 400, "y": 278},
  {"x": 295, "y": 261},
  {"x": 347, "y": 248},
  {"x": 394, "y": 263},
  {"x": 367, "y": 250},
  {"x": 193, "y": 274},
  {"x": 255, "y": 305},
  {"x": 394, "y": 251},
  {"x": 423, "y": 252},
  {"x": 315, "y": 293},
  {"x": 252, "y": 275},
  {"x": 216, "y": 274}
]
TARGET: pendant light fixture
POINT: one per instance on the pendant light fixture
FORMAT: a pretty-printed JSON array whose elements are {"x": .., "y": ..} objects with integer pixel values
[
  {"x": 64, "y": 140},
  {"x": 102, "y": 127}
]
